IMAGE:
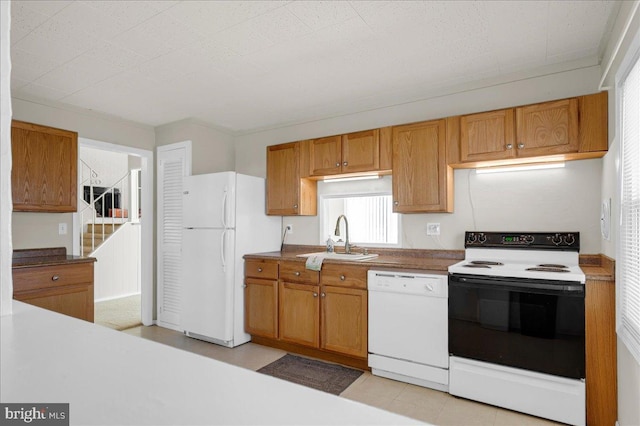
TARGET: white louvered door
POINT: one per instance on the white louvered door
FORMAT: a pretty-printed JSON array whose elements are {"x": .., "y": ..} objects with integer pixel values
[{"x": 174, "y": 163}]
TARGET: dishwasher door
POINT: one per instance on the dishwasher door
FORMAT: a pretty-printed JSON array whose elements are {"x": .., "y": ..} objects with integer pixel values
[{"x": 408, "y": 317}]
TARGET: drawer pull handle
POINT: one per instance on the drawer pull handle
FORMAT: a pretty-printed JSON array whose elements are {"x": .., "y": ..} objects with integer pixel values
[
  {"x": 342, "y": 277},
  {"x": 259, "y": 269},
  {"x": 297, "y": 274},
  {"x": 55, "y": 278}
]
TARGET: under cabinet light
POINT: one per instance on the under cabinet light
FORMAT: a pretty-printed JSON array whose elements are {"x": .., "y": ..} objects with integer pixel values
[
  {"x": 520, "y": 168},
  {"x": 349, "y": 179}
]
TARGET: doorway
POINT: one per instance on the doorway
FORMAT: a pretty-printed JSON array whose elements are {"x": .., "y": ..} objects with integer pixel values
[{"x": 145, "y": 266}]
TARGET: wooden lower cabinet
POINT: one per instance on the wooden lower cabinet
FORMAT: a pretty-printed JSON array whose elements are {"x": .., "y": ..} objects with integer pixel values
[
  {"x": 261, "y": 307},
  {"x": 66, "y": 289},
  {"x": 601, "y": 353},
  {"x": 299, "y": 314},
  {"x": 344, "y": 320}
]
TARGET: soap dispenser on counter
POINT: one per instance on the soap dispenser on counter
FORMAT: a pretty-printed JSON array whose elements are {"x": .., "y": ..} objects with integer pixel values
[{"x": 330, "y": 245}]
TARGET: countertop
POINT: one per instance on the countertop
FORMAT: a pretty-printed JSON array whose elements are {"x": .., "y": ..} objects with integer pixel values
[
  {"x": 427, "y": 260},
  {"x": 595, "y": 266},
  {"x": 27, "y": 258},
  {"x": 109, "y": 377}
]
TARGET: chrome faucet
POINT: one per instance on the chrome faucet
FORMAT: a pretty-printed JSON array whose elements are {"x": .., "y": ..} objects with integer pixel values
[{"x": 347, "y": 246}]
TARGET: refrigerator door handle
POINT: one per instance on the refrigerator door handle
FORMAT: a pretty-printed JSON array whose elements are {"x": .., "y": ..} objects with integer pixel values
[
  {"x": 222, "y": 249},
  {"x": 224, "y": 208}
]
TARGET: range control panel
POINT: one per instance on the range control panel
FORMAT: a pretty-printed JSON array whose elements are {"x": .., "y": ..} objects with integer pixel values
[{"x": 568, "y": 241}]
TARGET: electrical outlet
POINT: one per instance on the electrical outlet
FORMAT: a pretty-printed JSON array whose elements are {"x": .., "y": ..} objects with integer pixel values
[
  {"x": 62, "y": 229},
  {"x": 289, "y": 229},
  {"x": 433, "y": 229}
]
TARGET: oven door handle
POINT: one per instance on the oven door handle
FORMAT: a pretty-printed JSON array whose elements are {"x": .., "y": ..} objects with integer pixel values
[{"x": 519, "y": 285}]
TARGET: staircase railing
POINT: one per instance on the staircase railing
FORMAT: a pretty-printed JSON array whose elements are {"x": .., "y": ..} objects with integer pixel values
[{"x": 105, "y": 206}]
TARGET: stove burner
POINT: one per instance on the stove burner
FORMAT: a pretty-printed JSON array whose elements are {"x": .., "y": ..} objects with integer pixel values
[
  {"x": 472, "y": 265},
  {"x": 485, "y": 262},
  {"x": 552, "y": 265},
  {"x": 547, "y": 269}
]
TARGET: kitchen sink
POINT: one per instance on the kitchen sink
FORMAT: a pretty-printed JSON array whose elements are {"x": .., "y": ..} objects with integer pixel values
[{"x": 340, "y": 256}]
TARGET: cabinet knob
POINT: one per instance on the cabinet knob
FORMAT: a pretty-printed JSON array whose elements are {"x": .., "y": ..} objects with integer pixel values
[
  {"x": 395, "y": 203},
  {"x": 345, "y": 163},
  {"x": 520, "y": 145},
  {"x": 297, "y": 274},
  {"x": 259, "y": 269},
  {"x": 295, "y": 206},
  {"x": 315, "y": 294},
  {"x": 322, "y": 295},
  {"x": 342, "y": 277},
  {"x": 337, "y": 164},
  {"x": 244, "y": 286},
  {"x": 509, "y": 145},
  {"x": 55, "y": 278}
]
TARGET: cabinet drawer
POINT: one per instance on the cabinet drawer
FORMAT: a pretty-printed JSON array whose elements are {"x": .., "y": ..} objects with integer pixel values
[
  {"x": 38, "y": 277},
  {"x": 344, "y": 276},
  {"x": 296, "y": 272},
  {"x": 261, "y": 269}
]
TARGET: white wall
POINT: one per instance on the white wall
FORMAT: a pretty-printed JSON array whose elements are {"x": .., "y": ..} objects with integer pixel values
[
  {"x": 628, "y": 366},
  {"x": 212, "y": 150},
  {"x": 117, "y": 270},
  {"x": 6, "y": 285},
  {"x": 547, "y": 200}
]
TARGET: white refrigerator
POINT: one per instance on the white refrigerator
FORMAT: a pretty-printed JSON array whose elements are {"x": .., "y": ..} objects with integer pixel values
[{"x": 223, "y": 219}]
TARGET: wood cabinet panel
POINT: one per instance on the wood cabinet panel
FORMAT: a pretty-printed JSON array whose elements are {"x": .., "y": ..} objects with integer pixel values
[
  {"x": 361, "y": 151},
  {"x": 601, "y": 353},
  {"x": 386, "y": 148},
  {"x": 75, "y": 301},
  {"x": 296, "y": 272},
  {"x": 344, "y": 321},
  {"x": 26, "y": 279},
  {"x": 594, "y": 124},
  {"x": 299, "y": 314},
  {"x": 422, "y": 181},
  {"x": 487, "y": 135},
  {"x": 288, "y": 192},
  {"x": 547, "y": 128},
  {"x": 44, "y": 169},
  {"x": 326, "y": 156},
  {"x": 343, "y": 275},
  {"x": 261, "y": 269},
  {"x": 261, "y": 307}
]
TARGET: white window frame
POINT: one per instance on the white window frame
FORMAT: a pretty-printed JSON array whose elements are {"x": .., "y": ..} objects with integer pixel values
[
  {"x": 628, "y": 332},
  {"x": 348, "y": 192}
]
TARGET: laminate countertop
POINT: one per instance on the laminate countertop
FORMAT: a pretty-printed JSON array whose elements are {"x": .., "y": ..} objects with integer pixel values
[
  {"x": 28, "y": 258},
  {"x": 595, "y": 266}
]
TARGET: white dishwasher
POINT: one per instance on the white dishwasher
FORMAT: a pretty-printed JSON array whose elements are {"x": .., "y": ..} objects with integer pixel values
[{"x": 408, "y": 327}]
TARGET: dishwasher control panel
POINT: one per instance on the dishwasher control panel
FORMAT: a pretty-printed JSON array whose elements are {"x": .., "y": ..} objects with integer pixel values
[{"x": 429, "y": 285}]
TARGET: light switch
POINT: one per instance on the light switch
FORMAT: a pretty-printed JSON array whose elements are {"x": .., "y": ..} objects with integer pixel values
[{"x": 62, "y": 229}]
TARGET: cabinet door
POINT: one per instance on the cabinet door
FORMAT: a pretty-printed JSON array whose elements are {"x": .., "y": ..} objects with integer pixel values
[
  {"x": 299, "y": 314},
  {"x": 422, "y": 181},
  {"x": 487, "y": 136},
  {"x": 283, "y": 179},
  {"x": 43, "y": 175},
  {"x": 361, "y": 151},
  {"x": 344, "y": 320},
  {"x": 547, "y": 128},
  {"x": 326, "y": 156},
  {"x": 261, "y": 307}
]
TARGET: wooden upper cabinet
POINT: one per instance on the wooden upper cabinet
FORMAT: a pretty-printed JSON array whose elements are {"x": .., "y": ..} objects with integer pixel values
[
  {"x": 487, "y": 135},
  {"x": 288, "y": 192},
  {"x": 569, "y": 129},
  {"x": 326, "y": 156},
  {"x": 547, "y": 128},
  {"x": 422, "y": 181},
  {"x": 350, "y": 153},
  {"x": 44, "y": 172}
]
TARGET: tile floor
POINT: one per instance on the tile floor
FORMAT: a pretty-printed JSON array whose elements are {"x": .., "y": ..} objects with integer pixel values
[{"x": 424, "y": 404}]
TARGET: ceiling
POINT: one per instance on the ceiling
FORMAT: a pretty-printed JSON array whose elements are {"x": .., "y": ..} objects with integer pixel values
[{"x": 246, "y": 65}]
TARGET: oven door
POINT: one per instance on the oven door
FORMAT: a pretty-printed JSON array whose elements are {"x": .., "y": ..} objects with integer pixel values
[{"x": 531, "y": 324}]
